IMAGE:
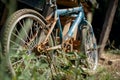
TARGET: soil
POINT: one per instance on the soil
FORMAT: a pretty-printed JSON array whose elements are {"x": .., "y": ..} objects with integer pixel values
[{"x": 111, "y": 62}]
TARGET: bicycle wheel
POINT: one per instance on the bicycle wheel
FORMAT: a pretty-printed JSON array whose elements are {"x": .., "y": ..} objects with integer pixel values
[
  {"x": 89, "y": 46},
  {"x": 23, "y": 32}
]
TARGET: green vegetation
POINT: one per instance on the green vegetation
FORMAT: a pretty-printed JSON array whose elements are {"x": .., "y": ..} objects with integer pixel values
[
  {"x": 38, "y": 68},
  {"x": 43, "y": 68}
]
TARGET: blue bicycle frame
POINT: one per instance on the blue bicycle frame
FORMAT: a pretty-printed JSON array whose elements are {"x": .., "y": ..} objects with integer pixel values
[{"x": 79, "y": 18}]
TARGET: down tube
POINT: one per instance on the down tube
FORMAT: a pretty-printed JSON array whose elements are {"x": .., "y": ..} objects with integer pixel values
[{"x": 75, "y": 24}]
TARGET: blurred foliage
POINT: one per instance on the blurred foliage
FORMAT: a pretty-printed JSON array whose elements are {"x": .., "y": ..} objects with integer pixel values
[
  {"x": 10, "y": 5},
  {"x": 61, "y": 67}
]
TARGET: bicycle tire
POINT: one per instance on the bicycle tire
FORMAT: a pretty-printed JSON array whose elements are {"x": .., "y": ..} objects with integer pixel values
[
  {"x": 16, "y": 35},
  {"x": 89, "y": 46}
]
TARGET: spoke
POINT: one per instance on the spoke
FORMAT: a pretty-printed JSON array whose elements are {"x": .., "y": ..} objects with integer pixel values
[
  {"x": 14, "y": 48},
  {"x": 15, "y": 43},
  {"x": 42, "y": 36},
  {"x": 27, "y": 25},
  {"x": 22, "y": 27},
  {"x": 17, "y": 31},
  {"x": 36, "y": 39},
  {"x": 19, "y": 37},
  {"x": 31, "y": 32},
  {"x": 34, "y": 34}
]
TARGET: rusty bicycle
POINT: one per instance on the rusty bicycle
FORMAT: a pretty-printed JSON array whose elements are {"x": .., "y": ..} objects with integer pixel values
[{"x": 45, "y": 35}]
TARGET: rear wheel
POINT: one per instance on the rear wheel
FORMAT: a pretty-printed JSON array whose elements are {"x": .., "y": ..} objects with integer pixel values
[{"x": 23, "y": 32}]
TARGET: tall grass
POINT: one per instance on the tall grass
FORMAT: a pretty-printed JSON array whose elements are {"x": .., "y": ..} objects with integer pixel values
[{"x": 61, "y": 67}]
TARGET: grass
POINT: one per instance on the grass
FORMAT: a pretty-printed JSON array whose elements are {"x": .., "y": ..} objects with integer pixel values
[
  {"x": 44, "y": 68},
  {"x": 104, "y": 72},
  {"x": 39, "y": 69},
  {"x": 110, "y": 67},
  {"x": 114, "y": 51}
]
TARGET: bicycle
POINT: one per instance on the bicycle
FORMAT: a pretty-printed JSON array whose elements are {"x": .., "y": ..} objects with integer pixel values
[{"x": 27, "y": 31}]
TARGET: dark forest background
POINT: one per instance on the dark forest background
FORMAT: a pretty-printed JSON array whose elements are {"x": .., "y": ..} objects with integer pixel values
[{"x": 98, "y": 21}]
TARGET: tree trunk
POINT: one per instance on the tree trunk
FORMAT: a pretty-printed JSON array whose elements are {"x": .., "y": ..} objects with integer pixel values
[{"x": 107, "y": 25}]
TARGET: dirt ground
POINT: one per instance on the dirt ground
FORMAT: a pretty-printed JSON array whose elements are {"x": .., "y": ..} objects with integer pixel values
[{"x": 111, "y": 63}]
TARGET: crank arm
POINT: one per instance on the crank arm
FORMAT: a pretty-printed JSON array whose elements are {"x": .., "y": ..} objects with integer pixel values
[{"x": 54, "y": 47}]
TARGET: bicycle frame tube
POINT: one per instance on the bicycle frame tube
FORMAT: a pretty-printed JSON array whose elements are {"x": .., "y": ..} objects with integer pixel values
[
  {"x": 78, "y": 19},
  {"x": 69, "y": 10}
]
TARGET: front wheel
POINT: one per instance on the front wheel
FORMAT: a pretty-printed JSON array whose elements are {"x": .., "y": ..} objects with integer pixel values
[{"x": 89, "y": 46}]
